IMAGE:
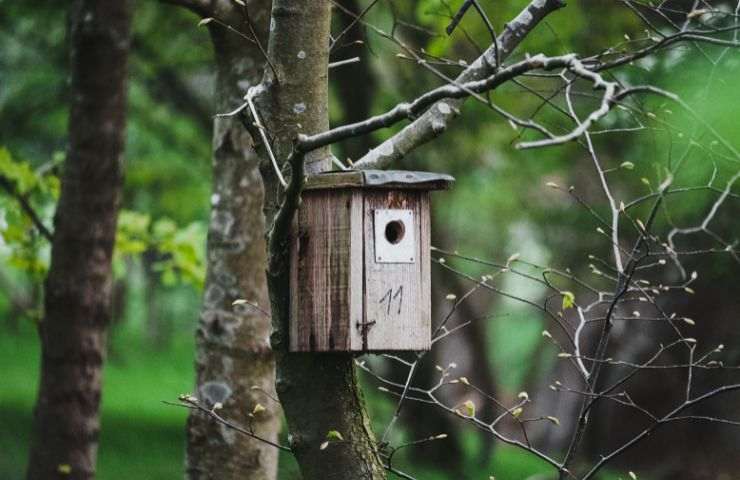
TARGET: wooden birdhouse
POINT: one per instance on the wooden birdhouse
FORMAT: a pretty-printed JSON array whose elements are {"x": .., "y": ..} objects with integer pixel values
[{"x": 360, "y": 277}]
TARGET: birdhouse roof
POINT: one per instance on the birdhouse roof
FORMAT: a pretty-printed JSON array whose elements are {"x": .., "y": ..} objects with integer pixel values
[{"x": 379, "y": 179}]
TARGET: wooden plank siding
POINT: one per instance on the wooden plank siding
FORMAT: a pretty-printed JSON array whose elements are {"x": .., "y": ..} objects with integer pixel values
[
  {"x": 324, "y": 251},
  {"x": 339, "y": 294},
  {"x": 396, "y": 295}
]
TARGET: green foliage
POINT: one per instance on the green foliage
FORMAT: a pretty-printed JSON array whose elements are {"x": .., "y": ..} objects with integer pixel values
[
  {"x": 499, "y": 205},
  {"x": 569, "y": 300},
  {"x": 334, "y": 435},
  {"x": 25, "y": 180},
  {"x": 141, "y": 436},
  {"x": 168, "y": 144},
  {"x": 21, "y": 243},
  {"x": 179, "y": 252}
]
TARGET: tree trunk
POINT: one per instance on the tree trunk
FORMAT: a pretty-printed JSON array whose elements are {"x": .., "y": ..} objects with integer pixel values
[
  {"x": 78, "y": 286},
  {"x": 232, "y": 350},
  {"x": 319, "y": 392}
]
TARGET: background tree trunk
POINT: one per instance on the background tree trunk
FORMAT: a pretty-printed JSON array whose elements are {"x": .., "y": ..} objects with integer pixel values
[
  {"x": 78, "y": 286},
  {"x": 232, "y": 343}
]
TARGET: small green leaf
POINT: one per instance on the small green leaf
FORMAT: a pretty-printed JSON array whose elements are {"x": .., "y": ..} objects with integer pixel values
[
  {"x": 569, "y": 300},
  {"x": 469, "y": 407},
  {"x": 627, "y": 165},
  {"x": 334, "y": 435}
]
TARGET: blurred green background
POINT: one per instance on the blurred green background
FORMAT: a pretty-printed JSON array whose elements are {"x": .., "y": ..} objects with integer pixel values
[{"x": 499, "y": 206}]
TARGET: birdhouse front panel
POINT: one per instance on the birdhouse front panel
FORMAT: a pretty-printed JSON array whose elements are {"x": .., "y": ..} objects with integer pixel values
[
  {"x": 397, "y": 296},
  {"x": 360, "y": 262}
]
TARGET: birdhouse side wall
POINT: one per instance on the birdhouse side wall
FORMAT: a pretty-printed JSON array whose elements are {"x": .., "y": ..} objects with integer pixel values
[{"x": 326, "y": 271}]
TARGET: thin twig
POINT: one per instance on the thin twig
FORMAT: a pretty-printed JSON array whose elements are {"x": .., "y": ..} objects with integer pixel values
[
  {"x": 26, "y": 206},
  {"x": 258, "y": 123}
]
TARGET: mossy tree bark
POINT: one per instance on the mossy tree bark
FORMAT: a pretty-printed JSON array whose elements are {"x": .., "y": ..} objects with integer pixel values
[
  {"x": 78, "y": 286},
  {"x": 319, "y": 392}
]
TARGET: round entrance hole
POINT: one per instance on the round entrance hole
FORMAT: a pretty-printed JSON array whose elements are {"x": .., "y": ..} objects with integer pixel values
[{"x": 394, "y": 231}]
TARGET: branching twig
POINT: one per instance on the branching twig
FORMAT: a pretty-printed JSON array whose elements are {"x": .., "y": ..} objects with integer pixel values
[
  {"x": 26, "y": 206},
  {"x": 188, "y": 401}
]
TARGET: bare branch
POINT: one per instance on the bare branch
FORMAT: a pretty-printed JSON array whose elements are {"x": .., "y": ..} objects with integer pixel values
[
  {"x": 433, "y": 122},
  {"x": 459, "y": 16},
  {"x": 443, "y": 101},
  {"x": 354, "y": 21},
  {"x": 279, "y": 232},
  {"x": 265, "y": 141},
  {"x": 26, "y": 206},
  {"x": 188, "y": 401}
]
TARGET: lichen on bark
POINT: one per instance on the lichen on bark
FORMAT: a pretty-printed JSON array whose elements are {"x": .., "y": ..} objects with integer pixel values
[{"x": 234, "y": 363}]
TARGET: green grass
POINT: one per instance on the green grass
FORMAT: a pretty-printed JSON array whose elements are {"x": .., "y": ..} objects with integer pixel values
[
  {"x": 141, "y": 437},
  {"x": 130, "y": 447},
  {"x": 144, "y": 439}
]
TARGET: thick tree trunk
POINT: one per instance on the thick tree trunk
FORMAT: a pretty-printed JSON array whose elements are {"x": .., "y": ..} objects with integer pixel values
[
  {"x": 232, "y": 343},
  {"x": 78, "y": 286},
  {"x": 319, "y": 392}
]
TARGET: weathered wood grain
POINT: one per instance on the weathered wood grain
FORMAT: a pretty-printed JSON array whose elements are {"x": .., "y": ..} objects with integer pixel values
[
  {"x": 396, "y": 294},
  {"x": 342, "y": 299},
  {"x": 322, "y": 249},
  {"x": 424, "y": 254},
  {"x": 357, "y": 272}
]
